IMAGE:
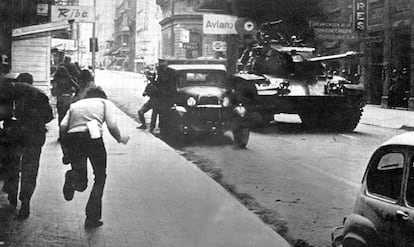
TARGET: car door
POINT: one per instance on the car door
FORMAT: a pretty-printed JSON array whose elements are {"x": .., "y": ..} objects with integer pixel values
[
  {"x": 380, "y": 200},
  {"x": 406, "y": 214}
]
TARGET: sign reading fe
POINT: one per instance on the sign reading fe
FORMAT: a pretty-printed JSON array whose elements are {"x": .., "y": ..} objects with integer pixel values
[
  {"x": 219, "y": 24},
  {"x": 77, "y": 13}
]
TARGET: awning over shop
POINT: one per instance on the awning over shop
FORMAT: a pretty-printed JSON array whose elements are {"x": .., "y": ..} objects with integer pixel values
[
  {"x": 40, "y": 30},
  {"x": 64, "y": 44}
]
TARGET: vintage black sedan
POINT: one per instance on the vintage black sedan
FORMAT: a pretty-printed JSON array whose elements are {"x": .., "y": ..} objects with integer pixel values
[
  {"x": 383, "y": 213},
  {"x": 196, "y": 98}
]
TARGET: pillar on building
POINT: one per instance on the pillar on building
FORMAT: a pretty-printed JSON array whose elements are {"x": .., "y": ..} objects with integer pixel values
[
  {"x": 411, "y": 98},
  {"x": 387, "y": 53},
  {"x": 363, "y": 64}
]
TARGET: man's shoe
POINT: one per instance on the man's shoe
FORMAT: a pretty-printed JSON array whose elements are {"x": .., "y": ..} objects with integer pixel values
[
  {"x": 93, "y": 223},
  {"x": 24, "y": 211},
  {"x": 68, "y": 190},
  {"x": 142, "y": 127}
]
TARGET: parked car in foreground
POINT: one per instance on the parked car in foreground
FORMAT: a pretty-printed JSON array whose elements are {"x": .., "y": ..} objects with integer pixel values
[
  {"x": 196, "y": 98},
  {"x": 383, "y": 214}
]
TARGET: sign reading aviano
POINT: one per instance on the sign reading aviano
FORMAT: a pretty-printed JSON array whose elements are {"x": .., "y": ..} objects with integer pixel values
[{"x": 219, "y": 24}]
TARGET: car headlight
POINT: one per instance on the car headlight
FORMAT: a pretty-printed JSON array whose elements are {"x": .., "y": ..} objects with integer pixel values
[
  {"x": 191, "y": 101},
  {"x": 226, "y": 102}
]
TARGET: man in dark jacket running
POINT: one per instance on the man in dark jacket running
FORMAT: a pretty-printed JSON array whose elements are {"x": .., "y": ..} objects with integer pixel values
[{"x": 26, "y": 110}]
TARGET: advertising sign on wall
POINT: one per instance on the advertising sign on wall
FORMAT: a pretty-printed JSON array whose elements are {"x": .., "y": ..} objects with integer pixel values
[
  {"x": 219, "y": 24},
  {"x": 77, "y": 13},
  {"x": 333, "y": 31},
  {"x": 360, "y": 15}
]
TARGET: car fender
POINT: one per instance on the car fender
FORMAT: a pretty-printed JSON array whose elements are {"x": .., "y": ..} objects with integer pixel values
[
  {"x": 359, "y": 231},
  {"x": 178, "y": 111}
]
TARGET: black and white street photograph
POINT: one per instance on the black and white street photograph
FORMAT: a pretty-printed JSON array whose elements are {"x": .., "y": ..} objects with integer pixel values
[{"x": 206, "y": 123}]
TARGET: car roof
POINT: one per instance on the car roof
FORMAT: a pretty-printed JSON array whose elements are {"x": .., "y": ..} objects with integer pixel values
[
  {"x": 406, "y": 139},
  {"x": 197, "y": 67}
]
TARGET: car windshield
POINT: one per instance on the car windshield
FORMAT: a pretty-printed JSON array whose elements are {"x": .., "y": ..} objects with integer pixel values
[{"x": 201, "y": 78}]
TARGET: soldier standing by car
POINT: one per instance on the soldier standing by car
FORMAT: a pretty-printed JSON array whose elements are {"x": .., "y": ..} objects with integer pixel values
[{"x": 151, "y": 91}]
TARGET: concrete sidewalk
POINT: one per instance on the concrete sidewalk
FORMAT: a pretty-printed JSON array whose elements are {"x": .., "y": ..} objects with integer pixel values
[
  {"x": 388, "y": 118},
  {"x": 153, "y": 197}
]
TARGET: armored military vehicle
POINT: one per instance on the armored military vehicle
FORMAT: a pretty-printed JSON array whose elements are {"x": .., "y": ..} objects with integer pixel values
[{"x": 285, "y": 76}]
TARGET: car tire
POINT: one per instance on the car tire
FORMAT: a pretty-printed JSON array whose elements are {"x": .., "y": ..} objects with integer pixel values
[{"x": 241, "y": 137}]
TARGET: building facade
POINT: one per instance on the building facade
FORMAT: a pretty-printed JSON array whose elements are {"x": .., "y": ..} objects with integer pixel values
[
  {"x": 182, "y": 30},
  {"x": 148, "y": 33},
  {"x": 387, "y": 44},
  {"x": 136, "y": 35},
  {"x": 120, "y": 47},
  {"x": 105, "y": 19}
]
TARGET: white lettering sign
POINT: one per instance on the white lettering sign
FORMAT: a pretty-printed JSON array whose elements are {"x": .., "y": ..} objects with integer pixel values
[
  {"x": 219, "y": 24},
  {"x": 219, "y": 46},
  {"x": 360, "y": 13},
  {"x": 77, "y": 13}
]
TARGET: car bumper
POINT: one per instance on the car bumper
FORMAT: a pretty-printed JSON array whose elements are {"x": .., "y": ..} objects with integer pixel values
[{"x": 337, "y": 236}]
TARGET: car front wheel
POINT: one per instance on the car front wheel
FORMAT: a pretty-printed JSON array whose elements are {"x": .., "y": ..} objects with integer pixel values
[{"x": 241, "y": 136}]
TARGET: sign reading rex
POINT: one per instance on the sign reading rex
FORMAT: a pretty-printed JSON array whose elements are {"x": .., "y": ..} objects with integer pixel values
[
  {"x": 219, "y": 24},
  {"x": 77, "y": 13}
]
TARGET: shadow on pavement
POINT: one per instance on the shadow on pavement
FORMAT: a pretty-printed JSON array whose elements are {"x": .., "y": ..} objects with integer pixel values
[
  {"x": 199, "y": 140},
  {"x": 286, "y": 128}
]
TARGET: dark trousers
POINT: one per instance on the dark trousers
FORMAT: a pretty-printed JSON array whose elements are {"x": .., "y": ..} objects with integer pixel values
[
  {"x": 152, "y": 103},
  {"x": 23, "y": 161},
  {"x": 62, "y": 105},
  {"x": 84, "y": 148}
]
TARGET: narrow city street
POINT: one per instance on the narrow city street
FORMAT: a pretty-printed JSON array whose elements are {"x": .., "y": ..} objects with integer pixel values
[{"x": 301, "y": 183}]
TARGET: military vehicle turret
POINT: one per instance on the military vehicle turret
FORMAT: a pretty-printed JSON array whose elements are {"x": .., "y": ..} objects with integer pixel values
[{"x": 277, "y": 75}]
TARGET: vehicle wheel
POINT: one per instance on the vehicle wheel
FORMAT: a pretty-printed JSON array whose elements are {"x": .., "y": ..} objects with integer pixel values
[
  {"x": 162, "y": 124},
  {"x": 341, "y": 119},
  {"x": 241, "y": 136},
  {"x": 351, "y": 119}
]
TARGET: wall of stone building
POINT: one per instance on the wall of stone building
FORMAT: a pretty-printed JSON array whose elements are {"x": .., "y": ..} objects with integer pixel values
[
  {"x": 183, "y": 10},
  {"x": 191, "y": 23}
]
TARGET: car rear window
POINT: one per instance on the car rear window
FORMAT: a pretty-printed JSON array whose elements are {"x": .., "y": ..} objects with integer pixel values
[{"x": 385, "y": 177}]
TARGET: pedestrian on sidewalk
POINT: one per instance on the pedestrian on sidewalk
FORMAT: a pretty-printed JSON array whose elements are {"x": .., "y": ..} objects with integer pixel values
[
  {"x": 81, "y": 129},
  {"x": 151, "y": 90},
  {"x": 85, "y": 83},
  {"x": 64, "y": 88},
  {"x": 24, "y": 128},
  {"x": 73, "y": 68}
]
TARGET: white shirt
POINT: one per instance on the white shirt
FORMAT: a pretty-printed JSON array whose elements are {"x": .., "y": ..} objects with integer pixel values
[{"x": 86, "y": 110}]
